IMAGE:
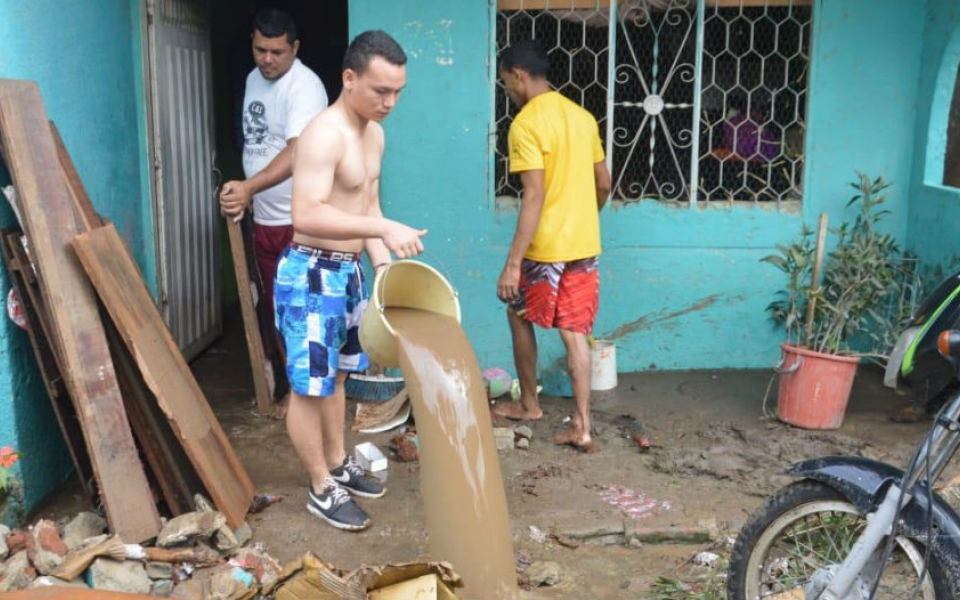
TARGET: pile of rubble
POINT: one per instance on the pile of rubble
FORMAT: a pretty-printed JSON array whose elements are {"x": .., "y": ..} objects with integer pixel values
[{"x": 196, "y": 555}]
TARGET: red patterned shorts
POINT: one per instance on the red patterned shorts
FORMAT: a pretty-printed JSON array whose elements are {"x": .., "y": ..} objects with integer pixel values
[{"x": 564, "y": 295}]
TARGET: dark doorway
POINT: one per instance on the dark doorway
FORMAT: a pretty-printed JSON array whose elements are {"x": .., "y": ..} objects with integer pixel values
[{"x": 323, "y": 31}]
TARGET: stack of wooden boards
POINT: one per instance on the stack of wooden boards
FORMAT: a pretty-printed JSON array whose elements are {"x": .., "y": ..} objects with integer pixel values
[{"x": 121, "y": 389}]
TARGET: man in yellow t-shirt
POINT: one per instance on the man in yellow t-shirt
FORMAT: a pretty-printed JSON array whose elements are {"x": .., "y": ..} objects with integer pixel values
[{"x": 551, "y": 275}]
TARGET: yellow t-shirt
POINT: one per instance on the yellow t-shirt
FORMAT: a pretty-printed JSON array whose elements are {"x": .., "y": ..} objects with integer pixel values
[{"x": 555, "y": 134}]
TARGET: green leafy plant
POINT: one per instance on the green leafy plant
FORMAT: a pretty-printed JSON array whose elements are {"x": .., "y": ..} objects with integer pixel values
[{"x": 863, "y": 276}]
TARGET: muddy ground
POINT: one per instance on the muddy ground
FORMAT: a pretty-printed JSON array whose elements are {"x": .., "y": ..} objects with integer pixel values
[{"x": 714, "y": 458}]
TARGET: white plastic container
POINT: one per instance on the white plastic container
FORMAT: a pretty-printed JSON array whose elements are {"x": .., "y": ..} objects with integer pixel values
[
  {"x": 603, "y": 363},
  {"x": 369, "y": 457}
]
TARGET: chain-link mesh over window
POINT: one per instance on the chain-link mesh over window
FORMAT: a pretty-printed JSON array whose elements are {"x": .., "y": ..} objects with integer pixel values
[{"x": 742, "y": 139}]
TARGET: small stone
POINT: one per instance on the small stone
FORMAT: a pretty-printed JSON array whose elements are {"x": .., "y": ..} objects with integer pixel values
[
  {"x": 503, "y": 436},
  {"x": 84, "y": 525},
  {"x": 159, "y": 570},
  {"x": 542, "y": 573},
  {"x": 188, "y": 526},
  {"x": 523, "y": 444},
  {"x": 162, "y": 588},
  {"x": 119, "y": 576},
  {"x": 523, "y": 431}
]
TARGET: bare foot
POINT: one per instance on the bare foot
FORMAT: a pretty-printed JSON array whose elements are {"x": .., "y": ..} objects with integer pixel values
[
  {"x": 280, "y": 408},
  {"x": 516, "y": 412},
  {"x": 573, "y": 437}
]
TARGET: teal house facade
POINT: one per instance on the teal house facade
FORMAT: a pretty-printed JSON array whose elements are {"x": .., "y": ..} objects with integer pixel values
[{"x": 730, "y": 125}]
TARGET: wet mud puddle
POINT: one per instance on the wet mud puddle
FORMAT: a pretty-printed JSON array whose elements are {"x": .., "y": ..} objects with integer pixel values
[{"x": 460, "y": 482}]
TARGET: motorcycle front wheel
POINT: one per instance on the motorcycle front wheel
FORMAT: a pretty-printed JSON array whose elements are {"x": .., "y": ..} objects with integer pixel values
[{"x": 803, "y": 530}]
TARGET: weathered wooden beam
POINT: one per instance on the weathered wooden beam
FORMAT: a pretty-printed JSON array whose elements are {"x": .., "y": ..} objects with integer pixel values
[
  {"x": 51, "y": 222},
  {"x": 115, "y": 276}
]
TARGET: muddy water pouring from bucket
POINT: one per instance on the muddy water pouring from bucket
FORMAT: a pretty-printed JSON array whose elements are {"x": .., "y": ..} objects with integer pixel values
[{"x": 460, "y": 481}]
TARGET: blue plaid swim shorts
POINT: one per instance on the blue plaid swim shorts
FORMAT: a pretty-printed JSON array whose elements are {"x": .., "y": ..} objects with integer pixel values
[{"x": 319, "y": 300}]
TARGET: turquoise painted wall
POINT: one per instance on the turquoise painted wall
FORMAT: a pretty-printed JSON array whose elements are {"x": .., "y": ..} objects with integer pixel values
[
  {"x": 681, "y": 288},
  {"x": 85, "y": 56},
  {"x": 935, "y": 209}
]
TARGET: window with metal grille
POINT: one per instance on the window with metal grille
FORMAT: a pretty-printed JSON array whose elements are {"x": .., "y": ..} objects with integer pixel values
[
  {"x": 697, "y": 100},
  {"x": 951, "y": 163}
]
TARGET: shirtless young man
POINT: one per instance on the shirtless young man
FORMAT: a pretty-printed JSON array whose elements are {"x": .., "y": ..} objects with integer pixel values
[{"x": 319, "y": 289}]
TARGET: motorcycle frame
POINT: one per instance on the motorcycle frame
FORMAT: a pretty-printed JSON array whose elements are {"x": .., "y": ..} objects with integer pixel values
[{"x": 898, "y": 502}]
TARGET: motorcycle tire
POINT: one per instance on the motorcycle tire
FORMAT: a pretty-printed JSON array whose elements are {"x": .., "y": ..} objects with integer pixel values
[{"x": 807, "y": 526}]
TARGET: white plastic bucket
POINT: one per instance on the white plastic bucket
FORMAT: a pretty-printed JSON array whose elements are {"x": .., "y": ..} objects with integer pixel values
[
  {"x": 403, "y": 284},
  {"x": 603, "y": 363}
]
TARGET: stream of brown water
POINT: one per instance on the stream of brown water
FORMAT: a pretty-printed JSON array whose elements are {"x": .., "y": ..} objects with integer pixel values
[{"x": 463, "y": 496}]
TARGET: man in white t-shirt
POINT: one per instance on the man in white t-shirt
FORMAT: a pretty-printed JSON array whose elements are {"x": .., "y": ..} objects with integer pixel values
[{"x": 282, "y": 95}]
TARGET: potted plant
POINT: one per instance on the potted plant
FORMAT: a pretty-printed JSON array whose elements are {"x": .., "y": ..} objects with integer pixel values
[{"x": 827, "y": 318}]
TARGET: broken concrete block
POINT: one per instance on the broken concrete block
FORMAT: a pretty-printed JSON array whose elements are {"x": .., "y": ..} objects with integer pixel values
[
  {"x": 503, "y": 436},
  {"x": 18, "y": 573},
  {"x": 202, "y": 503},
  {"x": 523, "y": 431},
  {"x": 118, "y": 576},
  {"x": 263, "y": 566},
  {"x": 162, "y": 588},
  {"x": 231, "y": 583},
  {"x": 225, "y": 540},
  {"x": 523, "y": 443},
  {"x": 159, "y": 570},
  {"x": 45, "y": 548},
  {"x": 188, "y": 526},
  {"x": 542, "y": 573},
  {"x": 82, "y": 527},
  {"x": 4, "y": 550}
]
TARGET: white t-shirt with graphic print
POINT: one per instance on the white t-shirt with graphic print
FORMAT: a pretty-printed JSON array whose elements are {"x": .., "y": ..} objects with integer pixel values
[{"x": 273, "y": 112}]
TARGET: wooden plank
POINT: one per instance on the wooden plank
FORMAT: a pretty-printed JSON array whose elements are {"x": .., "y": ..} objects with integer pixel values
[
  {"x": 50, "y": 223},
  {"x": 169, "y": 465},
  {"x": 81, "y": 202},
  {"x": 37, "y": 327},
  {"x": 117, "y": 279},
  {"x": 251, "y": 325}
]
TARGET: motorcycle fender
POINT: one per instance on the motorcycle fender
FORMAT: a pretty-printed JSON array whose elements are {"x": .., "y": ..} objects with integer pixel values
[{"x": 863, "y": 482}]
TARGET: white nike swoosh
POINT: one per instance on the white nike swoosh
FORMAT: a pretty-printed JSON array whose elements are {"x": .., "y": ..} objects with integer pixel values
[
  {"x": 341, "y": 478},
  {"x": 325, "y": 504}
]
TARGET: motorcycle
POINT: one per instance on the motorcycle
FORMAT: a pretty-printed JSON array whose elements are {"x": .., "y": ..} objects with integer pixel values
[
  {"x": 915, "y": 367},
  {"x": 852, "y": 528}
]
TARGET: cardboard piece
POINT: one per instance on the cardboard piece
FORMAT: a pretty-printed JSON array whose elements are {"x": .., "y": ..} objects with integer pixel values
[
  {"x": 311, "y": 578},
  {"x": 425, "y": 587}
]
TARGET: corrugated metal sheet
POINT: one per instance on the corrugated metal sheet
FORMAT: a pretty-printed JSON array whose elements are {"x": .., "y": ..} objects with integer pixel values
[{"x": 188, "y": 215}]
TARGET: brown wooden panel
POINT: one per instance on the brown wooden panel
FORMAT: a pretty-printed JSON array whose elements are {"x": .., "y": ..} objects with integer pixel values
[
  {"x": 116, "y": 278},
  {"x": 81, "y": 202},
  {"x": 49, "y": 220},
  {"x": 169, "y": 465},
  {"x": 251, "y": 325},
  {"x": 19, "y": 267}
]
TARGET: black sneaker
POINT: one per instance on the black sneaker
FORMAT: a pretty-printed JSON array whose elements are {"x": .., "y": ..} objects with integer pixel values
[
  {"x": 335, "y": 506},
  {"x": 356, "y": 481}
]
